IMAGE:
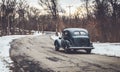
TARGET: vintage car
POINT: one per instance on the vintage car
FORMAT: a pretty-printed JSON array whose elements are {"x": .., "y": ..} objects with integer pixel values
[{"x": 73, "y": 39}]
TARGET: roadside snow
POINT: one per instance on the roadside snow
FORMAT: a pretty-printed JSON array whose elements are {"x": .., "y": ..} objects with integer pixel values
[
  {"x": 54, "y": 37},
  {"x": 37, "y": 33},
  {"x": 109, "y": 49},
  {"x": 5, "y": 60}
]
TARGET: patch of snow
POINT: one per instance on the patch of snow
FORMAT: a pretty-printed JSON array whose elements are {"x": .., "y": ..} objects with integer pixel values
[
  {"x": 54, "y": 37},
  {"x": 3, "y": 67},
  {"x": 37, "y": 33},
  {"x": 5, "y": 60},
  {"x": 110, "y": 49}
]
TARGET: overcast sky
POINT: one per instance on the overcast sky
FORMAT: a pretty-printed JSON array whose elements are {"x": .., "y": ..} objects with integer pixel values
[{"x": 64, "y": 4}]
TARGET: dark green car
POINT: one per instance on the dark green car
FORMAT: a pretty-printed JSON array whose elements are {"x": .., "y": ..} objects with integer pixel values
[{"x": 74, "y": 39}]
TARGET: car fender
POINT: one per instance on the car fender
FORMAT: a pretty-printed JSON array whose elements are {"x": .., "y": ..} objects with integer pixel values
[{"x": 58, "y": 41}]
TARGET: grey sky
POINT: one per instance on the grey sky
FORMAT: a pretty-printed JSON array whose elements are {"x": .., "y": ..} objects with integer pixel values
[{"x": 63, "y": 3}]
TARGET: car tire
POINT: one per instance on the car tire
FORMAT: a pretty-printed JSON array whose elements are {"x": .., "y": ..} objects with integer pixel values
[
  {"x": 88, "y": 51},
  {"x": 56, "y": 47},
  {"x": 67, "y": 50},
  {"x": 74, "y": 50}
]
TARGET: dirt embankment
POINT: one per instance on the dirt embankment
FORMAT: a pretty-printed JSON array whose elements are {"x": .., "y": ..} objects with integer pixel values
[
  {"x": 37, "y": 54},
  {"x": 25, "y": 55}
]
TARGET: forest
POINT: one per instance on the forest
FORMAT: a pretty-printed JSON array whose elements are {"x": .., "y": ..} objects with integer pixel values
[{"x": 100, "y": 17}]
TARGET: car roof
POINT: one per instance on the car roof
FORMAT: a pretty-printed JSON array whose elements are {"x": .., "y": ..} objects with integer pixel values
[{"x": 75, "y": 29}]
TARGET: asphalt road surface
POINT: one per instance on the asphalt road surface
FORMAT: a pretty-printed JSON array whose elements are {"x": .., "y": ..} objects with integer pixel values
[{"x": 37, "y": 54}]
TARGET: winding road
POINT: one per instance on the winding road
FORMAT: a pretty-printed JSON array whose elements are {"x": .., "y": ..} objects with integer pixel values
[{"x": 40, "y": 49}]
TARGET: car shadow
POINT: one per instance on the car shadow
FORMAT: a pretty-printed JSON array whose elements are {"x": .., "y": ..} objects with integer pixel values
[{"x": 74, "y": 52}]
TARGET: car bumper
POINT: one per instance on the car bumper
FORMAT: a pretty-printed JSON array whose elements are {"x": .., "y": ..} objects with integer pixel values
[{"x": 81, "y": 47}]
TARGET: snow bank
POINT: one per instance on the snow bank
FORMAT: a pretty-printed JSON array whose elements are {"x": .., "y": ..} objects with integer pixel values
[
  {"x": 5, "y": 60},
  {"x": 54, "y": 37},
  {"x": 110, "y": 49}
]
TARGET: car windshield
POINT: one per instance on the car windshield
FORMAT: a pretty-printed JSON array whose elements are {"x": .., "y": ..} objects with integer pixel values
[{"x": 80, "y": 33}]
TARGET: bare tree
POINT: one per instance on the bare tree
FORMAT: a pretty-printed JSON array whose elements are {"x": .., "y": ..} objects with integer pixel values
[
  {"x": 7, "y": 15},
  {"x": 115, "y": 12},
  {"x": 35, "y": 16},
  {"x": 52, "y": 7},
  {"x": 101, "y": 12},
  {"x": 22, "y": 7}
]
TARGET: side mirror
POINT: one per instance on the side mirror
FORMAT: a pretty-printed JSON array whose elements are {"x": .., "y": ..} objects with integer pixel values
[{"x": 60, "y": 38}]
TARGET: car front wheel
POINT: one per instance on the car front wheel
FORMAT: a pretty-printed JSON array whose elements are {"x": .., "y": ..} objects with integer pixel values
[
  {"x": 67, "y": 50},
  {"x": 56, "y": 47}
]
